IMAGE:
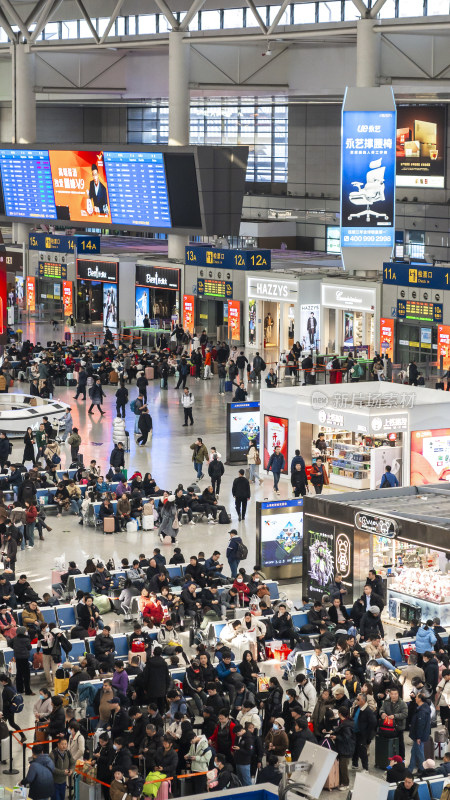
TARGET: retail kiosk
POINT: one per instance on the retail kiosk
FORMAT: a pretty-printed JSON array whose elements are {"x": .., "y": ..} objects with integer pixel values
[
  {"x": 403, "y": 533},
  {"x": 367, "y": 426}
]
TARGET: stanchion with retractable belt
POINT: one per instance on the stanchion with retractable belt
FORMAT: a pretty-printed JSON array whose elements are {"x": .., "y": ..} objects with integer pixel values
[{"x": 11, "y": 770}]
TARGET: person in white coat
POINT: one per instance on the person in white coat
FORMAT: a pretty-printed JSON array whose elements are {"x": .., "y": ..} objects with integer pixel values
[
  {"x": 187, "y": 401},
  {"x": 255, "y": 629},
  {"x": 249, "y": 713},
  {"x": 307, "y": 695},
  {"x": 233, "y": 637},
  {"x": 77, "y": 744}
]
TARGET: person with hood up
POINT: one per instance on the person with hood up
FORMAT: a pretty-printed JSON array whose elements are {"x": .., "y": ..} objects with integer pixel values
[
  {"x": 276, "y": 740},
  {"x": 371, "y": 624},
  {"x": 39, "y": 777}
]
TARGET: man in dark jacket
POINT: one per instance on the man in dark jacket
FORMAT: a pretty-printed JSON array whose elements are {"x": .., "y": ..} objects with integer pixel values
[
  {"x": 21, "y": 645},
  {"x": 283, "y": 625},
  {"x": 81, "y": 386},
  {"x": 338, "y": 613},
  {"x": 408, "y": 789},
  {"x": 39, "y": 777},
  {"x": 375, "y": 582},
  {"x": 145, "y": 425},
  {"x": 315, "y": 616},
  {"x": 139, "y": 721},
  {"x": 104, "y": 647},
  {"x": 276, "y": 464},
  {"x": 122, "y": 757},
  {"x": 117, "y": 457},
  {"x": 119, "y": 721},
  {"x": 153, "y": 681},
  {"x": 344, "y": 740},
  {"x": 371, "y": 599},
  {"x": 215, "y": 472},
  {"x": 96, "y": 395},
  {"x": 4, "y": 449},
  {"x": 101, "y": 579},
  {"x": 431, "y": 670},
  {"x": 241, "y": 493},
  {"x": 364, "y": 727},
  {"x": 297, "y": 739},
  {"x": 233, "y": 552},
  {"x": 419, "y": 731},
  {"x": 371, "y": 624},
  {"x": 337, "y": 588}
]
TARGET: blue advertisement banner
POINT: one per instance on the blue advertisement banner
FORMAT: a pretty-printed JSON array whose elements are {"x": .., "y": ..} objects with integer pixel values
[
  {"x": 368, "y": 179},
  {"x": 293, "y": 502},
  {"x": 423, "y": 276},
  {"x": 60, "y": 243},
  {"x": 253, "y": 404},
  {"x": 228, "y": 259}
]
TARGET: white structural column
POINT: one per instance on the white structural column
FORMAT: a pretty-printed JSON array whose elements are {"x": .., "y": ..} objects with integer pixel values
[
  {"x": 179, "y": 113},
  {"x": 367, "y": 53},
  {"x": 23, "y": 113}
]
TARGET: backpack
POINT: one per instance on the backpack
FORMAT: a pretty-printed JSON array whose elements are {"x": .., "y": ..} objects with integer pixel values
[
  {"x": 133, "y": 406},
  {"x": 358, "y": 371},
  {"x": 223, "y": 518},
  {"x": 385, "y": 483},
  {"x": 17, "y": 703},
  {"x": 242, "y": 551},
  {"x": 234, "y": 782},
  {"x": 262, "y": 367},
  {"x": 56, "y": 459}
]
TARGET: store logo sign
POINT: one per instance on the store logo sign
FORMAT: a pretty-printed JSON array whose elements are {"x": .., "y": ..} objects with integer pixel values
[
  {"x": 278, "y": 290},
  {"x": 379, "y": 526},
  {"x": 97, "y": 273},
  {"x": 343, "y": 555},
  {"x": 352, "y": 297},
  {"x": 351, "y": 300},
  {"x": 330, "y": 418},
  {"x": 388, "y": 424},
  {"x": 156, "y": 279}
]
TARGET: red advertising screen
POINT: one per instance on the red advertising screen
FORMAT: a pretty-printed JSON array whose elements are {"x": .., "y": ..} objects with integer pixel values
[
  {"x": 276, "y": 435},
  {"x": 188, "y": 313},
  {"x": 443, "y": 344},
  {"x": 67, "y": 298},
  {"x": 79, "y": 185},
  {"x": 387, "y": 337},
  {"x": 31, "y": 294},
  {"x": 234, "y": 320},
  {"x": 430, "y": 456}
]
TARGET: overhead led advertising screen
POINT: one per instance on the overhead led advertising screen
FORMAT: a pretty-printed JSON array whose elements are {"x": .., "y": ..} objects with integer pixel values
[
  {"x": 80, "y": 186},
  {"x": 420, "y": 146},
  {"x": 281, "y": 533},
  {"x": 142, "y": 304},
  {"x": 243, "y": 428},
  {"x": 368, "y": 179},
  {"x": 430, "y": 456},
  {"x": 275, "y": 435}
]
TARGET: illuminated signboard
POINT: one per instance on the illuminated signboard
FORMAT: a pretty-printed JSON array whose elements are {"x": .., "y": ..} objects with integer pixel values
[
  {"x": 54, "y": 271},
  {"x": 207, "y": 287},
  {"x": 419, "y": 310}
]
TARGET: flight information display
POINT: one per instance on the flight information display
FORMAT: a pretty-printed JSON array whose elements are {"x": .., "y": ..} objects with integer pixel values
[
  {"x": 27, "y": 183},
  {"x": 137, "y": 189}
]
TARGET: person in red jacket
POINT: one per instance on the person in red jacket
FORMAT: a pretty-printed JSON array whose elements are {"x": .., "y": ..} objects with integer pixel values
[
  {"x": 243, "y": 590},
  {"x": 207, "y": 373},
  {"x": 223, "y": 738},
  {"x": 30, "y": 519}
]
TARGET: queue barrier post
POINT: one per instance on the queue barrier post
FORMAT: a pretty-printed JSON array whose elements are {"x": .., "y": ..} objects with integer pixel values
[{"x": 10, "y": 770}]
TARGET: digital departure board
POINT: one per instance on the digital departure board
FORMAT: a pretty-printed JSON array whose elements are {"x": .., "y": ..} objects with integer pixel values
[
  {"x": 208, "y": 287},
  {"x": 27, "y": 183},
  {"x": 137, "y": 189},
  {"x": 49, "y": 270},
  {"x": 420, "y": 311}
]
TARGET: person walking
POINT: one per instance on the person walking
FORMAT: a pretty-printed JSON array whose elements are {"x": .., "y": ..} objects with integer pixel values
[
  {"x": 233, "y": 552},
  {"x": 187, "y": 401},
  {"x": 68, "y": 425},
  {"x": 253, "y": 461},
  {"x": 319, "y": 476},
  {"x": 199, "y": 455},
  {"x": 183, "y": 372},
  {"x": 276, "y": 464},
  {"x": 5, "y": 449},
  {"x": 22, "y": 647},
  {"x": 9, "y": 708},
  {"x": 136, "y": 407},
  {"x": 96, "y": 395},
  {"x": 30, "y": 517},
  {"x": 388, "y": 481},
  {"x": 145, "y": 427},
  {"x": 299, "y": 481},
  {"x": 241, "y": 493},
  {"x": 28, "y": 451},
  {"x": 81, "y": 385},
  {"x": 121, "y": 399},
  {"x": 74, "y": 441},
  {"x": 419, "y": 731},
  {"x": 142, "y": 384},
  {"x": 241, "y": 363},
  {"x": 215, "y": 472}
]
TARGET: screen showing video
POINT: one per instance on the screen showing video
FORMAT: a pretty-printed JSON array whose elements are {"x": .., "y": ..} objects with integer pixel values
[
  {"x": 110, "y": 308},
  {"x": 142, "y": 304},
  {"x": 282, "y": 533},
  {"x": 244, "y": 428}
]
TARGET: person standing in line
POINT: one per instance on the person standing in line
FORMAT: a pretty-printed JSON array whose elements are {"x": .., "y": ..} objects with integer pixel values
[
  {"x": 276, "y": 464},
  {"x": 22, "y": 647},
  {"x": 241, "y": 493},
  {"x": 241, "y": 363},
  {"x": 187, "y": 401},
  {"x": 96, "y": 395},
  {"x": 121, "y": 399},
  {"x": 199, "y": 455},
  {"x": 233, "y": 552},
  {"x": 253, "y": 461},
  {"x": 215, "y": 472},
  {"x": 145, "y": 426},
  {"x": 39, "y": 777},
  {"x": 81, "y": 385},
  {"x": 74, "y": 441},
  {"x": 64, "y": 764},
  {"x": 319, "y": 476},
  {"x": 222, "y": 374}
]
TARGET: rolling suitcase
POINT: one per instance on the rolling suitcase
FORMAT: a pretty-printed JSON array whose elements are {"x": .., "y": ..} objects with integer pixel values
[
  {"x": 228, "y": 386},
  {"x": 332, "y": 782},
  {"x": 384, "y": 749},
  {"x": 439, "y": 386},
  {"x": 428, "y": 749},
  {"x": 109, "y": 525},
  {"x": 149, "y": 373}
]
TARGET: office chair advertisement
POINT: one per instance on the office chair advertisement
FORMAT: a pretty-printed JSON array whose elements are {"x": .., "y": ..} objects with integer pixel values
[{"x": 368, "y": 179}]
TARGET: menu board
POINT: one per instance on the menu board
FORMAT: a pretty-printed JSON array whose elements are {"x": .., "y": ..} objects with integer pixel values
[{"x": 27, "y": 183}]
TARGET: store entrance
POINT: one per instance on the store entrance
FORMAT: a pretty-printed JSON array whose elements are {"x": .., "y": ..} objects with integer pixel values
[
  {"x": 416, "y": 343},
  {"x": 271, "y": 320},
  {"x": 90, "y": 301}
]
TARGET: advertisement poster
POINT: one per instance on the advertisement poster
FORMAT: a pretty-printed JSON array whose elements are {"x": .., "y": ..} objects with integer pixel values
[
  {"x": 110, "y": 309},
  {"x": 79, "y": 185},
  {"x": 310, "y": 326},
  {"x": 188, "y": 313},
  {"x": 142, "y": 304},
  {"x": 387, "y": 337},
  {"x": 251, "y": 321},
  {"x": 234, "y": 320},
  {"x": 319, "y": 556},
  {"x": 348, "y": 328},
  {"x": 276, "y": 435},
  {"x": 343, "y": 558},
  {"x": 19, "y": 291},
  {"x": 3, "y": 306},
  {"x": 368, "y": 179},
  {"x": 282, "y": 533},
  {"x": 420, "y": 146},
  {"x": 31, "y": 294},
  {"x": 244, "y": 428},
  {"x": 443, "y": 344},
  {"x": 67, "y": 294},
  {"x": 430, "y": 456}
]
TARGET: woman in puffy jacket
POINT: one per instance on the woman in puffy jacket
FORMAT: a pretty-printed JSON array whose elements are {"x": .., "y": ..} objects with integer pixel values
[{"x": 425, "y": 640}]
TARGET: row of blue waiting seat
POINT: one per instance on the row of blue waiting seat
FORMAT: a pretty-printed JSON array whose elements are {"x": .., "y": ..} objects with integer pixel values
[{"x": 429, "y": 789}]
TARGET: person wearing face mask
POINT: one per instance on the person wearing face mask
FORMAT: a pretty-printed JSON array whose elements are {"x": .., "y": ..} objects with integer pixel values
[
  {"x": 122, "y": 757},
  {"x": 42, "y": 707},
  {"x": 242, "y": 589},
  {"x": 276, "y": 740}
]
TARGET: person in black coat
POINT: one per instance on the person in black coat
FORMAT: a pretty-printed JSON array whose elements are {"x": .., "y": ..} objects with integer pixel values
[
  {"x": 343, "y": 737},
  {"x": 338, "y": 614},
  {"x": 4, "y": 449},
  {"x": 154, "y": 680},
  {"x": 121, "y": 400},
  {"x": 167, "y": 758},
  {"x": 375, "y": 582},
  {"x": 119, "y": 721},
  {"x": 56, "y": 727},
  {"x": 365, "y": 725},
  {"x": 117, "y": 457},
  {"x": 297, "y": 739},
  {"x": 431, "y": 670},
  {"x": 122, "y": 757},
  {"x": 371, "y": 624},
  {"x": 102, "y": 757},
  {"x": 272, "y": 704},
  {"x": 145, "y": 425},
  {"x": 136, "y": 736},
  {"x": 104, "y": 647},
  {"x": 270, "y": 773},
  {"x": 215, "y": 472},
  {"x": 28, "y": 452},
  {"x": 299, "y": 480},
  {"x": 396, "y": 770},
  {"x": 370, "y": 598},
  {"x": 241, "y": 493}
]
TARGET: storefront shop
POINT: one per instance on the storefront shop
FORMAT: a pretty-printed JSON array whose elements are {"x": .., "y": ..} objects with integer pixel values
[
  {"x": 97, "y": 292},
  {"x": 157, "y": 294},
  {"x": 348, "y": 320},
  {"x": 365, "y": 427},
  {"x": 273, "y": 312},
  {"x": 402, "y": 533}
]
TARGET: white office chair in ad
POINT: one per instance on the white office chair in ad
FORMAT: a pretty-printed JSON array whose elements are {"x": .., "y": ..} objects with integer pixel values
[{"x": 370, "y": 193}]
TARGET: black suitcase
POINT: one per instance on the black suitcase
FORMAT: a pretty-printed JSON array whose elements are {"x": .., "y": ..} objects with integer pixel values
[
  {"x": 439, "y": 386},
  {"x": 71, "y": 382},
  {"x": 428, "y": 749},
  {"x": 384, "y": 749}
]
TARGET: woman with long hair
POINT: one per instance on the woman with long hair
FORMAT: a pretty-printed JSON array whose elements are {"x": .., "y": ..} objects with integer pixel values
[{"x": 28, "y": 451}]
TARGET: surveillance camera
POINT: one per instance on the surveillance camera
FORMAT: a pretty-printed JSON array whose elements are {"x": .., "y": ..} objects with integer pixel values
[{"x": 268, "y": 51}]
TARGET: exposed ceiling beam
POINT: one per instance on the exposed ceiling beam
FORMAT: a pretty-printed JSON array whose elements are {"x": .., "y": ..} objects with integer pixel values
[
  {"x": 16, "y": 18},
  {"x": 112, "y": 20},
  {"x": 278, "y": 16},
  {"x": 376, "y": 8},
  {"x": 87, "y": 20},
  {"x": 362, "y": 8},
  {"x": 165, "y": 10},
  {"x": 192, "y": 11},
  {"x": 7, "y": 27},
  {"x": 256, "y": 15},
  {"x": 42, "y": 19}
]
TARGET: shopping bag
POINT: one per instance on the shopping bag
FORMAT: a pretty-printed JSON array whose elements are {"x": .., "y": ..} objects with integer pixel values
[
  {"x": 38, "y": 661},
  {"x": 263, "y": 683}
]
